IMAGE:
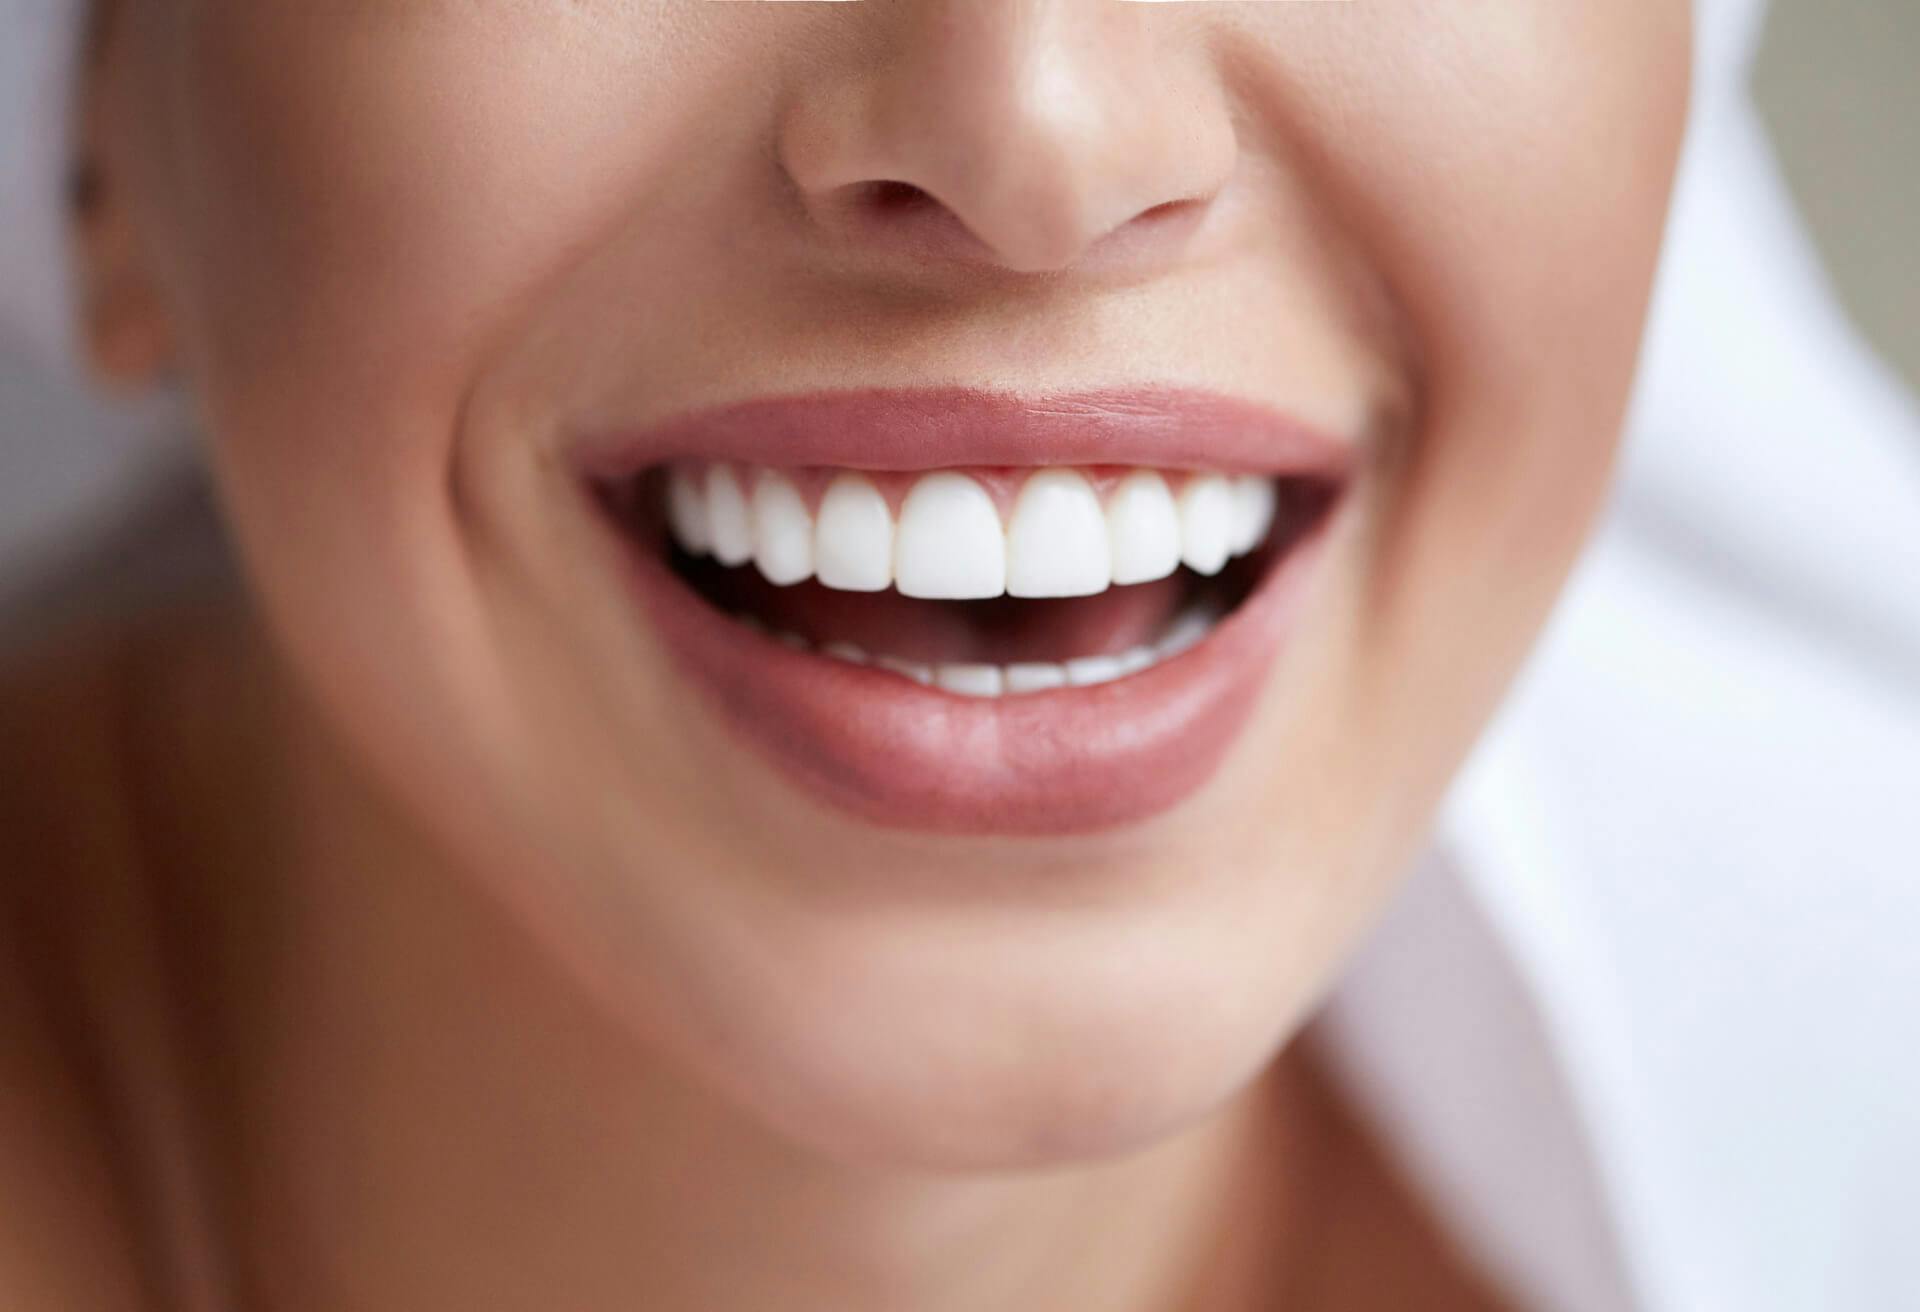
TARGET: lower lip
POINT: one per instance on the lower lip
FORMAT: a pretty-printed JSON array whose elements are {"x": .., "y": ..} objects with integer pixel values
[{"x": 904, "y": 756}]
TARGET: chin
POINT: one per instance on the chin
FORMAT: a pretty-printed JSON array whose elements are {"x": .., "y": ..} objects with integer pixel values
[{"x": 990, "y": 1043}]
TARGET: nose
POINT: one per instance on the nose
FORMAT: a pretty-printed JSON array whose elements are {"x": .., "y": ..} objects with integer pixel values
[{"x": 1031, "y": 135}]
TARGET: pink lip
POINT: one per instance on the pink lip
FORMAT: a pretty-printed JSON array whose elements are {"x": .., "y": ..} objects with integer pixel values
[
  {"x": 897, "y": 754},
  {"x": 955, "y": 427}
]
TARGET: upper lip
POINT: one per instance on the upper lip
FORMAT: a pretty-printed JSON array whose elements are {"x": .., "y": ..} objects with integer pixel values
[{"x": 954, "y": 427}]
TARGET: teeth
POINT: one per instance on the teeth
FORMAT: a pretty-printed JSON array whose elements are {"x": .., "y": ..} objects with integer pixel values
[
  {"x": 951, "y": 547},
  {"x": 1057, "y": 543},
  {"x": 1143, "y": 528},
  {"x": 853, "y": 542},
  {"x": 1035, "y": 677},
  {"x": 972, "y": 680},
  {"x": 1032, "y": 676},
  {"x": 687, "y": 512},
  {"x": 1206, "y": 523},
  {"x": 1090, "y": 670},
  {"x": 908, "y": 669},
  {"x": 1254, "y": 501},
  {"x": 846, "y": 651},
  {"x": 782, "y": 531},
  {"x": 1186, "y": 632},
  {"x": 993, "y": 681},
  {"x": 729, "y": 523},
  {"x": 948, "y": 542}
]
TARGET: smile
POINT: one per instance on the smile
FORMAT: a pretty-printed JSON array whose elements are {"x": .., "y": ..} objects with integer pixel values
[{"x": 970, "y": 612}]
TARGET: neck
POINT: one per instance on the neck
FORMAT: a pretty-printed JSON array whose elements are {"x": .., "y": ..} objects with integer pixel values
[{"x": 430, "y": 1113}]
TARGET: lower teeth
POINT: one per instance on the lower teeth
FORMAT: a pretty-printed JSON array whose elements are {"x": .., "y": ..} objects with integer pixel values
[{"x": 977, "y": 680}]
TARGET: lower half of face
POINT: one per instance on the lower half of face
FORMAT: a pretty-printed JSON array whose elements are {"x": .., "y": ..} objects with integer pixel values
[{"x": 942, "y": 557}]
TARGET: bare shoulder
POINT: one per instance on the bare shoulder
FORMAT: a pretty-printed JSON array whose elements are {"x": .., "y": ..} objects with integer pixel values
[{"x": 66, "y": 1236}]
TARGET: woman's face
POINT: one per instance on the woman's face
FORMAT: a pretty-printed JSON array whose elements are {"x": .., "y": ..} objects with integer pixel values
[{"x": 455, "y": 282}]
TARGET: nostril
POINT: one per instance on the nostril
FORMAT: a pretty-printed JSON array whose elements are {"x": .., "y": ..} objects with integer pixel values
[
  {"x": 888, "y": 196},
  {"x": 891, "y": 213}
]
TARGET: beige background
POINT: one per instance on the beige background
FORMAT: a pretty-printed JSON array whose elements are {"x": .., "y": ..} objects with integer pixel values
[{"x": 1839, "y": 83}]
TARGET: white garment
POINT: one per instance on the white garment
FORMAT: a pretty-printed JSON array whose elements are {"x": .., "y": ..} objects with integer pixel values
[
  {"x": 1644, "y": 1025},
  {"x": 1694, "y": 831}
]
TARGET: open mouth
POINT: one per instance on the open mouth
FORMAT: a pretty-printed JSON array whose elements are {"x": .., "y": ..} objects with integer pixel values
[
  {"x": 960, "y": 611},
  {"x": 982, "y": 583}
]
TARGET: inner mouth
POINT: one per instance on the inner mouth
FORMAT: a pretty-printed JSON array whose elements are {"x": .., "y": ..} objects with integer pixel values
[{"x": 982, "y": 582}]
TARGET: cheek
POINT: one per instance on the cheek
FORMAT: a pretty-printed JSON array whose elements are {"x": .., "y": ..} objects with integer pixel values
[
  {"x": 1541, "y": 205},
  {"x": 355, "y": 202},
  {"x": 371, "y": 199},
  {"x": 1505, "y": 175}
]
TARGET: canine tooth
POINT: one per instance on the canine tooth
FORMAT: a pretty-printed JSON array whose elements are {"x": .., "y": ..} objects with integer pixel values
[
  {"x": 1254, "y": 499},
  {"x": 845, "y": 651},
  {"x": 1206, "y": 523},
  {"x": 853, "y": 538},
  {"x": 1035, "y": 676},
  {"x": 1090, "y": 670},
  {"x": 950, "y": 545},
  {"x": 1057, "y": 541},
  {"x": 782, "y": 531},
  {"x": 1143, "y": 529},
  {"x": 687, "y": 512},
  {"x": 909, "y": 669},
  {"x": 729, "y": 523},
  {"x": 972, "y": 680},
  {"x": 1137, "y": 659}
]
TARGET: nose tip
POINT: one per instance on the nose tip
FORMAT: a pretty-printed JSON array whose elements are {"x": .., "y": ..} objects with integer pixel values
[{"x": 1031, "y": 141}]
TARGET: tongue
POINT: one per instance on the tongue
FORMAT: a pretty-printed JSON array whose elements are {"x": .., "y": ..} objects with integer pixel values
[{"x": 1004, "y": 631}]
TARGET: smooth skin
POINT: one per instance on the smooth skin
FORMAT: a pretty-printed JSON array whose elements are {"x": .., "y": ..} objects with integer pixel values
[{"x": 404, "y": 936}]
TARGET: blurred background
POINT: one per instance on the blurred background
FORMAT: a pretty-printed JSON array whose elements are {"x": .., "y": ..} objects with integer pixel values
[{"x": 1839, "y": 87}]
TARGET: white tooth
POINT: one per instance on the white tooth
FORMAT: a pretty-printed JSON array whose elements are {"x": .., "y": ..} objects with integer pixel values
[
  {"x": 782, "y": 531},
  {"x": 1143, "y": 526},
  {"x": 972, "y": 680},
  {"x": 687, "y": 512},
  {"x": 853, "y": 540},
  {"x": 950, "y": 547},
  {"x": 1057, "y": 542},
  {"x": 1137, "y": 659},
  {"x": 728, "y": 522},
  {"x": 1089, "y": 670},
  {"x": 908, "y": 669},
  {"x": 845, "y": 651},
  {"x": 1253, "y": 505},
  {"x": 1188, "y": 630},
  {"x": 1035, "y": 677},
  {"x": 1206, "y": 523}
]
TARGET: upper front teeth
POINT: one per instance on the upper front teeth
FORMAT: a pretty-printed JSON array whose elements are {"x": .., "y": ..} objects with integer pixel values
[
  {"x": 949, "y": 541},
  {"x": 1057, "y": 544}
]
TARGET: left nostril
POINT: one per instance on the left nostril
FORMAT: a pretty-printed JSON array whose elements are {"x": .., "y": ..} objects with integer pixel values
[{"x": 888, "y": 196}]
